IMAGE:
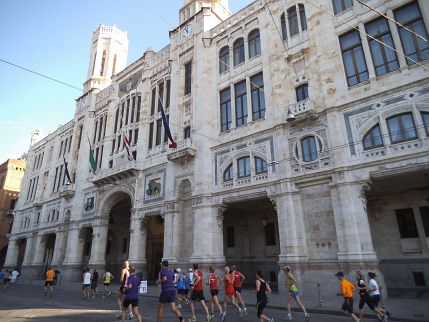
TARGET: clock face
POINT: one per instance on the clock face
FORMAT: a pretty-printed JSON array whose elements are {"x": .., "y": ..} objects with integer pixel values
[{"x": 187, "y": 31}]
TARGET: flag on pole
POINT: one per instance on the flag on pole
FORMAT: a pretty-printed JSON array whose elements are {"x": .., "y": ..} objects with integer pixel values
[
  {"x": 66, "y": 172},
  {"x": 128, "y": 147},
  {"x": 173, "y": 144},
  {"x": 92, "y": 162}
]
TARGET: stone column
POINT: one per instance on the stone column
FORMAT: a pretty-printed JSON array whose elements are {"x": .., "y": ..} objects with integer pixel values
[
  {"x": 208, "y": 232},
  {"x": 60, "y": 247},
  {"x": 367, "y": 54},
  {"x": 29, "y": 250},
  {"x": 351, "y": 223},
  {"x": 99, "y": 243},
  {"x": 396, "y": 39},
  {"x": 138, "y": 240},
  {"x": 168, "y": 236},
  {"x": 39, "y": 251},
  {"x": 72, "y": 264},
  {"x": 12, "y": 253}
]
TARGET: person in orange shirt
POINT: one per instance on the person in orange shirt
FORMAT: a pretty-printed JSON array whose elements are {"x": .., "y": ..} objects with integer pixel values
[
  {"x": 346, "y": 290},
  {"x": 49, "y": 281}
]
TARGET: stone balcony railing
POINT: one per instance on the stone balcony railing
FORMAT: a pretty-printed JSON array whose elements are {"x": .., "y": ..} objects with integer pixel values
[
  {"x": 67, "y": 191},
  {"x": 105, "y": 176},
  {"x": 302, "y": 108},
  {"x": 238, "y": 182},
  {"x": 184, "y": 152}
]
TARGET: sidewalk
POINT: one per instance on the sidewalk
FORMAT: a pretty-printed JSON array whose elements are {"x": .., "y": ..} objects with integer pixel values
[{"x": 402, "y": 309}]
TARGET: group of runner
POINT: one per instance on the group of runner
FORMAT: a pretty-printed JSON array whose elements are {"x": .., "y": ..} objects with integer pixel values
[
  {"x": 90, "y": 283},
  {"x": 9, "y": 278}
]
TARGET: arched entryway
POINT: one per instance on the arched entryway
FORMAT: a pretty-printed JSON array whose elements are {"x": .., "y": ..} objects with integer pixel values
[
  {"x": 154, "y": 245},
  {"x": 251, "y": 237}
]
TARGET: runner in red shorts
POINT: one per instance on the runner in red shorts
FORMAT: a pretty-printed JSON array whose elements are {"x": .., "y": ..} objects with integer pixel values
[
  {"x": 238, "y": 280},
  {"x": 212, "y": 281},
  {"x": 228, "y": 281}
]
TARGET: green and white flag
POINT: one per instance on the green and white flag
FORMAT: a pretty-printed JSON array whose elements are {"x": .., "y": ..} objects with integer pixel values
[{"x": 91, "y": 158}]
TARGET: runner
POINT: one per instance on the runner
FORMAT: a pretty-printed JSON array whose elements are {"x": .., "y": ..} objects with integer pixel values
[
  {"x": 14, "y": 276},
  {"x": 94, "y": 283},
  {"x": 6, "y": 279},
  {"x": 181, "y": 292},
  {"x": 120, "y": 295},
  {"x": 238, "y": 281},
  {"x": 86, "y": 284},
  {"x": 229, "y": 293},
  {"x": 376, "y": 296},
  {"x": 107, "y": 279},
  {"x": 197, "y": 294},
  {"x": 49, "y": 281},
  {"x": 293, "y": 292},
  {"x": 346, "y": 290},
  {"x": 168, "y": 292},
  {"x": 262, "y": 288},
  {"x": 213, "y": 283},
  {"x": 2, "y": 272},
  {"x": 187, "y": 286},
  {"x": 131, "y": 289}
]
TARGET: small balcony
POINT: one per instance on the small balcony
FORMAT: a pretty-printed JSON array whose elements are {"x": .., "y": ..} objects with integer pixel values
[
  {"x": 302, "y": 109},
  {"x": 184, "y": 152},
  {"x": 106, "y": 176},
  {"x": 67, "y": 191}
]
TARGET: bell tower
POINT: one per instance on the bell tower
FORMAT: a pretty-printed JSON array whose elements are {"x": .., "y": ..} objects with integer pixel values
[
  {"x": 191, "y": 7},
  {"x": 108, "y": 56}
]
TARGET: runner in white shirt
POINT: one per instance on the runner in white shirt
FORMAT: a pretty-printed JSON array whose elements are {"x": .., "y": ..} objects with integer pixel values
[
  {"x": 13, "y": 277},
  {"x": 86, "y": 284},
  {"x": 374, "y": 290}
]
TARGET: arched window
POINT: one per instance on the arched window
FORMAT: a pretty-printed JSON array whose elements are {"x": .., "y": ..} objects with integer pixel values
[
  {"x": 260, "y": 166},
  {"x": 283, "y": 25},
  {"x": 293, "y": 21},
  {"x": 238, "y": 49},
  {"x": 114, "y": 65},
  {"x": 401, "y": 127},
  {"x": 311, "y": 147},
  {"x": 224, "y": 60},
  {"x": 302, "y": 17},
  {"x": 254, "y": 40},
  {"x": 103, "y": 61},
  {"x": 243, "y": 165},
  {"x": 372, "y": 139},
  {"x": 228, "y": 175}
]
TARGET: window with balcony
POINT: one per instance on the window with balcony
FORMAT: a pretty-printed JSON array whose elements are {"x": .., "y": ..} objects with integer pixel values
[
  {"x": 301, "y": 92},
  {"x": 187, "y": 132},
  {"x": 240, "y": 103},
  {"x": 254, "y": 41},
  {"x": 224, "y": 60},
  {"x": 243, "y": 166},
  {"x": 238, "y": 50},
  {"x": 406, "y": 223},
  {"x": 302, "y": 17},
  {"x": 293, "y": 21},
  {"x": 225, "y": 109},
  {"x": 341, "y": 5},
  {"x": 372, "y": 139},
  {"x": 401, "y": 127},
  {"x": 384, "y": 58},
  {"x": 353, "y": 58},
  {"x": 228, "y": 174},
  {"x": 260, "y": 166},
  {"x": 258, "y": 97},
  {"x": 410, "y": 16},
  {"x": 425, "y": 118}
]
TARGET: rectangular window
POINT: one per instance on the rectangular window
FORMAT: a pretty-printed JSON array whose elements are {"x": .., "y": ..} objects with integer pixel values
[
  {"x": 94, "y": 139},
  {"x": 127, "y": 114},
  {"x": 153, "y": 102},
  {"x": 225, "y": 109},
  {"x": 133, "y": 109},
  {"x": 116, "y": 120},
  {"x": 150, "y": 135},
  {"x": 353, "y": 58},
  {"x": 341, "y": 5},
  {"x": 401, "y": 128},
  {"x": 419, "y": 279},
  {"x": 385, "y": 59},
  {"x": 243, "y": 165},
  {"x": 230, "y": 236},
  {"x": 302, "y": 17},
  {"x": 270, "y": 234},
  {"x": 61, "y": 149},
  {"x": 187, "y": 132},
  {"x": 79, "y": 142},
  {"x": 188, "y": 77},
  {"x": 425, "y": 118},
  {"x": 283, "y": 24},
  {"x": 293, "y": 21},
  {"x": 301, "y": 92},
  {"x": 55, "y": 180},
  {"x": 160, "y": 96},
  {"x": 136, "y": 136},
  {"x": 165, "y": 133},
  {"x": 240, "y": 103},
  {"x": 258, "y": 97},
  {"x": 168, "y": 93},
  {"x": 158, "y": 132},
  {"x": 424, "y": 214},
  {"x": 411, "y": 17},
  {"x": 139, "y": 104},
  {"x": 406, "y": 223}
]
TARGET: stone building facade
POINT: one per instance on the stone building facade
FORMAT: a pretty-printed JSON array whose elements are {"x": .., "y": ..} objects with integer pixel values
[
  {"x": 11, "y": 174},
  {"x": 300, "y": 140}
]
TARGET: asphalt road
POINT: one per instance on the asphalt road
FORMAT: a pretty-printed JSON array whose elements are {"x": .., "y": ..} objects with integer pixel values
[{"x": 27, "y": 303}]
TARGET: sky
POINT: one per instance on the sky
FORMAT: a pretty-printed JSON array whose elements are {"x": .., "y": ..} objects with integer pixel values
[{"x": 53, "y": 37}]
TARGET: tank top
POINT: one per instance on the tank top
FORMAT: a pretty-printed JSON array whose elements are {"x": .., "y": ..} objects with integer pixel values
[
  {"x": 237, "y": 279},
  {"x": 213, "y": 282},
  {"x": 261, "y": 295},
  {"x": 229, "y": 288},
  {"x": 126, "y": 275},
  {"x": 107, "y": 277},
  {"x": 291, "y": 284},
  {"x": 199, "y": 285}
]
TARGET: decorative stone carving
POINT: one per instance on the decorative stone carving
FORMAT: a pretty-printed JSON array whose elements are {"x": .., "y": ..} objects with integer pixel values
[
  {"x": 220, "y": 215},
  {"x": 154, "y": 187},
  {"x": 364, "y": 189}
]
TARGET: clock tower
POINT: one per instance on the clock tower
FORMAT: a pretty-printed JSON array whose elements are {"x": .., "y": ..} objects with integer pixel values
[{"x": 191, "y": 7}]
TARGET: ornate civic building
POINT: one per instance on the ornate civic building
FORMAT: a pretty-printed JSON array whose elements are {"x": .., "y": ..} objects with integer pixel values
[{"x": 302, "y": 139}]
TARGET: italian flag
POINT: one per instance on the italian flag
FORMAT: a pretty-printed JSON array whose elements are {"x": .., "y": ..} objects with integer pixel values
[{"x": 92, "y": 162}]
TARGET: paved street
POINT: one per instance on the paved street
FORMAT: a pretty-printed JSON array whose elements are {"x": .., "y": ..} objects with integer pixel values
[{"x": 27, "y": 303}]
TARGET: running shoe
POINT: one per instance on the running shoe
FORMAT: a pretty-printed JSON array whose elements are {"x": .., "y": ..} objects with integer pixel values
[
  {"x": 245, "y": 311},
  {"x": 307, "y": 317},
  {"x": 223, "y": 316},
  {"x": 212, "y": 315},
  {"x": 288, "y": 316},
  {"x": 240, "y": 311},
  {"x": 130, "y": 315},
  {"x": 192, "y": 319},
  {"x": 272, "y": 320},
  {"x": 209, "y": 318},
  {"x": 179, "y": 306}
]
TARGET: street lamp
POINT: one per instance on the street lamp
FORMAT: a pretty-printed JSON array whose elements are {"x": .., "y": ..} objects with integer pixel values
[{"x": 290, "y": 116}]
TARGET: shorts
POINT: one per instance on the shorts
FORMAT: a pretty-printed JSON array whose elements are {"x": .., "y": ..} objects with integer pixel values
[
  {"x": 85, "y": 286},
  {"x": 49, "y": 283},
  {"x": 230, "y": 293},
  {"x": 214, "y": 292},
  {"x": 128, "y": 302},
  {"x": 106, "y": 284},
  {"x": 6, "y": 280},
  {"x": 237, "y": 289},
  {"x": 182, "y": 291},
  {"x": 348, "y": 305},
  {"x": 121, "y": 289},
  {"x": 197, "y": 296},
  {"x": 366, "y": 298},
  {"x": 94, "y": 286},
  {"x": 260, "y": 306},
  {"x": 376, "y": 299},
  {"x": 294, "y": 294},
  {"x": 167, "y": 297}
]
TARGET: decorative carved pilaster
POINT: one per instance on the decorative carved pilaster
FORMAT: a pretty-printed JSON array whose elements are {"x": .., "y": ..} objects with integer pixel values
[
  {"x": 363, "y": 195},
  {"x": 220, "y": 216}
]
